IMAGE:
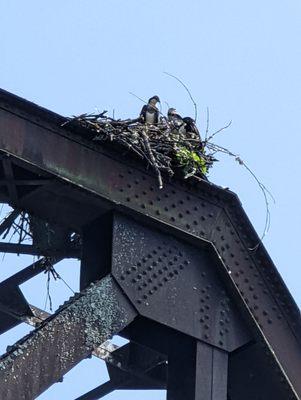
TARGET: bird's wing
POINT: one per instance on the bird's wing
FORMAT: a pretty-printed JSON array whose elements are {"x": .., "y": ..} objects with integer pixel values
[{"x": 143, "y": 112}]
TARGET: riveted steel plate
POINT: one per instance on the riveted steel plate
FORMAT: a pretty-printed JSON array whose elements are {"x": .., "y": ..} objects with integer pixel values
[
  {"x": 34, "y": 137},
  {"x": 175, "y": 284}
]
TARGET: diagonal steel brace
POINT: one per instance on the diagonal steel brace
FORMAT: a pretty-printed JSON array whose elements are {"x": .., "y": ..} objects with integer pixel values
[{"x": 86, "y": 321}]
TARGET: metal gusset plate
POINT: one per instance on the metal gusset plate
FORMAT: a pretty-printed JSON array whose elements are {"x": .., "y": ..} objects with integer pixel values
[
  {"x": 176, "y": 284},
  {"x": 44, "y": 356},
  {"x": 34, "y": 137}
]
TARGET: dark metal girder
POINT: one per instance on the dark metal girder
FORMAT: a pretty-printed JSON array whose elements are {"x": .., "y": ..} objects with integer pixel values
[
  {"x": 7, "y": 222},
  {"x": 9, "y": 175},
  {"x": 206, "y": 372},
  {"x": 16, "y": 248},
  {"x": 176, "y": 284},
  {"x": 123, "y": 382},
  {"x": 37, "y": 361},
  {"x": 100, "y": 391},
  {"x": 38, "y": 266},
  {"x": 203, "y": 212},
  {"x": 147, "y": 366},
  {"x": 26, "y": 182},
  {"x": 13, "y": 306},
  {"x": 137, "y": 368}
]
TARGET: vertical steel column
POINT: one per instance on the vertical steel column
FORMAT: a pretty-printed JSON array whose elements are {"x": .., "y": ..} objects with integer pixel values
[
  {"x": 97, "y": 250},
  {"x": 197, "y": 371}
]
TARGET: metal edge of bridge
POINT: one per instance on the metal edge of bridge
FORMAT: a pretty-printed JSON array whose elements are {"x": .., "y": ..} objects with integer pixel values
[{"x": 230, "y": 216}]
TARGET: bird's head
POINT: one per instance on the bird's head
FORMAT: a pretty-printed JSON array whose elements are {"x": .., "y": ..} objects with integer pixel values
[
  {"x": 171, "y": 112},
  {"x": 154, "y": 100}
]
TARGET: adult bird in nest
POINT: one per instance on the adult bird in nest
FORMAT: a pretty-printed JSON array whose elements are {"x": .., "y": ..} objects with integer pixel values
[{"x": 150, "y": 113}]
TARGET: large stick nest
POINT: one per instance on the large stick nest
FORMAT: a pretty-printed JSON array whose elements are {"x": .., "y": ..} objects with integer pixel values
[{"x": 166, "y": 147}]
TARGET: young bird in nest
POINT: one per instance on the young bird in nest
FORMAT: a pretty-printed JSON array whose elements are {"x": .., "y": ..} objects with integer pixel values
[
  {"x": 150, "y": 113},
  {"x": 185, "y": 126}
]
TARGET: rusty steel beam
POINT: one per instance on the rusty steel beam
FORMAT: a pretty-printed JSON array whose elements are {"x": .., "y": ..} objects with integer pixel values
[
  {"x": 70, "y": 335},
  {"x": 26, "y": 182},
  {"x": 195, "y": 212},
  {"x": 16, "y": 248},
  {"x": 7, "y": 222},
  {"x": 9, "y": 175}
]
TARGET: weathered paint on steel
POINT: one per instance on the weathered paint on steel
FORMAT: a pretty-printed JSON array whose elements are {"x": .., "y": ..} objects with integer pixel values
[
  {"x": 63, "y": 340},
  {"x": 203, "y": 211}
]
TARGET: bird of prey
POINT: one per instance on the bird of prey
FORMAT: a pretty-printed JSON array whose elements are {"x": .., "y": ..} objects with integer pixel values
[
  {"x": 185, "y": 126},
  {"x": 176, "y": 120},
  {"x": 150, "y": 113},
  {"x": 191, "y": 127},
  {"x": 174, "y": 117}
]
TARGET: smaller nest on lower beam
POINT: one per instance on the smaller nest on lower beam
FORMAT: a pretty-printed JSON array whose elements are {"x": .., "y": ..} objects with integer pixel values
[{"x": 168, "y": 149}]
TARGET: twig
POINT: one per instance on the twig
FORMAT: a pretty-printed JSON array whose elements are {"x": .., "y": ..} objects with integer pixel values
[
  {"x": 262, "y": 187},
  {"x": 188, "y": 91},
  {"x": 152, "y": 158},
  {"x": 207, "y": 125},
  {"x": 218, "y": 131}
]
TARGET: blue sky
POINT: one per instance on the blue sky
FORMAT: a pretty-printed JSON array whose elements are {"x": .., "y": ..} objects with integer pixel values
[{"x": 241, "y": 59}]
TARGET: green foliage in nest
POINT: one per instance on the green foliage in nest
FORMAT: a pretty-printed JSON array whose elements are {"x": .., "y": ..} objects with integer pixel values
[{"x": 192, "y": 162}]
